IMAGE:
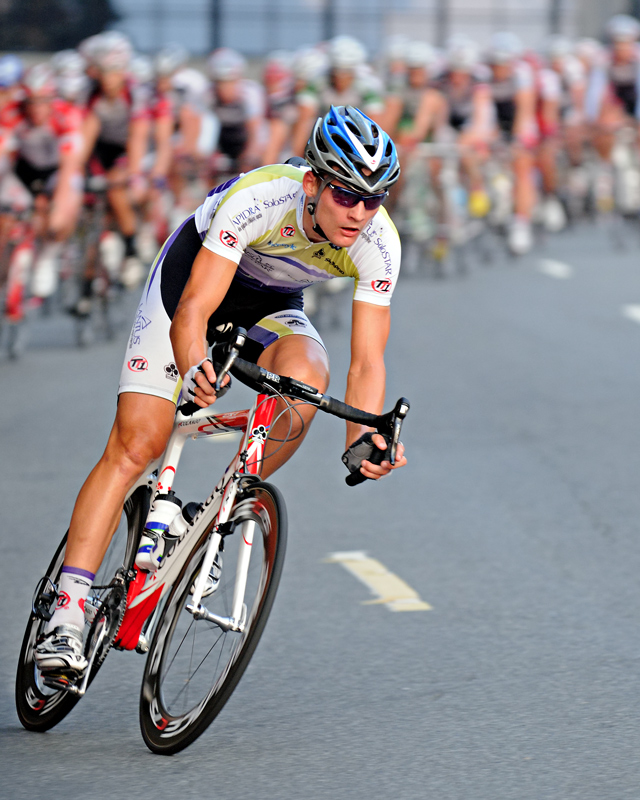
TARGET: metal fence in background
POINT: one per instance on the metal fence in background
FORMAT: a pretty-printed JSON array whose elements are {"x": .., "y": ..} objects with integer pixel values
[{"x": 257, "y": 27}]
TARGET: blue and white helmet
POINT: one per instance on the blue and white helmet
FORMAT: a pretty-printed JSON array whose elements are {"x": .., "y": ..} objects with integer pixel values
[
  {"x": 345, "y": 142},
  {"x": 11, "y": 70}
]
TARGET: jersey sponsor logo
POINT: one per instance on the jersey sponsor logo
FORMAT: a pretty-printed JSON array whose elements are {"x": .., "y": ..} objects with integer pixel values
[
  {"x": 292, "y": 322},
  {"x": 244, "y": 214},
  {"x": 386, "y": 255},
  {"x": 228, "y": 238},
  {"x": 381, "y": 286},
  {"x": 288, "y": 231},
  {"x": 272, "y": 203},
  {"x": 138, "y": 364},
  {"x": 171, "y": 371},
  {"x": 318, "y": 253},
  {"x": 284, "y": 245}
]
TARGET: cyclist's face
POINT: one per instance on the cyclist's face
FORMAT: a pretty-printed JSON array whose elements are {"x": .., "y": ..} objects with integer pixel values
[
  {"x": 38, "y": 109},
  {"x": 341, "y": 79},
  {"x": 112, "y": 82},
  {"x": 624, "y": 52},
  {"x": 417, "y": 77},
  {"x": 228, "y": 91},
  {"x": 342, "y": 225}
]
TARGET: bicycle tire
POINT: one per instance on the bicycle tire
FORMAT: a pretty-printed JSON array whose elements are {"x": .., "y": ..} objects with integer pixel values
[
  {"x": 169, "y": 725},
  {"x": 39, "y": 707}
]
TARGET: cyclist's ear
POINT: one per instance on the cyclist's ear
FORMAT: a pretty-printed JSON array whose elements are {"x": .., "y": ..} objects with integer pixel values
[{"x": 310, "y": 184}]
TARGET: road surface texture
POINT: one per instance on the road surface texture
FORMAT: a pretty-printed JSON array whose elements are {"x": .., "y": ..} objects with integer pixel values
[{"x": 516, "y": 520}]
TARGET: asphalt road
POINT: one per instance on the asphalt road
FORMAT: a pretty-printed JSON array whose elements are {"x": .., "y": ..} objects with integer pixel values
[{"x": 516, "y": 520}]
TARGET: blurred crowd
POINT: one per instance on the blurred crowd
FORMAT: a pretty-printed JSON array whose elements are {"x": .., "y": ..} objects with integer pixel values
[{"x": 150, "y": 136}]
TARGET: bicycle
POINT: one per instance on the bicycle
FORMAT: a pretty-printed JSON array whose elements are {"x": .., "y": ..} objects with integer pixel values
[{"x": 230, "y": 555}]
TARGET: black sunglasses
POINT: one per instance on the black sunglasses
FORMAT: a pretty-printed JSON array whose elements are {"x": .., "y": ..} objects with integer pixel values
[{"x": 348, "y": 199}]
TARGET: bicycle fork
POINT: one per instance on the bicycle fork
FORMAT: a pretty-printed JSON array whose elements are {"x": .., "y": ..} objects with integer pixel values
[{"x": 246, "y": 529}]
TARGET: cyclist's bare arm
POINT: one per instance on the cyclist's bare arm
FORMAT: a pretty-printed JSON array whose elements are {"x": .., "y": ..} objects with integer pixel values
[
  {"x": 367, "y": 375},
  {"x": 210, "y": 278},
  {"x": 90, "y": 132},
  {"x": 162, "y": 130},
  {"x": 137, "y": 144}
]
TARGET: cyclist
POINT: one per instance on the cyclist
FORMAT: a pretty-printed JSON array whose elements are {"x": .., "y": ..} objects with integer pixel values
[
  {"x": 239, "y": 106},
  {"x": 243, "y": 259},
  {"x": 282, "y": 110},
  {"x": 48, "y": 144},
  {"x": 116, "y": 131},
  {"x": 512, "y": 85}
]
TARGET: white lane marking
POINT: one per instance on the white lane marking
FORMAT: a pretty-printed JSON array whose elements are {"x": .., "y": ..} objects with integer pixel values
[
  {"x": 631, "y": 312},
  {"x": 555, "y": 269},
  {"x": 391, "y": 590}
]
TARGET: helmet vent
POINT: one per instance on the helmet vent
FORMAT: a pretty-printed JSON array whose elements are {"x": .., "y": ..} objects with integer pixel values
[
  {"x": 342, "y": 143},
  {"x": 336, "y": 167},
  {"x": 352, "y": 128},
  {"x": 320, "y": 144}
]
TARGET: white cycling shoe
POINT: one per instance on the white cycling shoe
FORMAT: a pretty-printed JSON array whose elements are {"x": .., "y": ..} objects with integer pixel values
[
  {"x": 61, "y": 650},
  {"x": 520, "y": 239}
]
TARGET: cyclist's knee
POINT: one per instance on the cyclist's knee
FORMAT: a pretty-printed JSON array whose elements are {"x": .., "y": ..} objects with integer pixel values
[{"x": 140, "y": 432}]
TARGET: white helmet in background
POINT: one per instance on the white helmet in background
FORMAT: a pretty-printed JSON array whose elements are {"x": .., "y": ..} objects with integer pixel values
[
  {"x": 72, "y": 87},
  {"x": 39, "y": 81},
  {"x": 226, "y": 64},
  {"x": 170, "y": 59},
  {"x": 589, "y": 50},
  {"x": 68, "y": 64},
  {"x": 345, "y": 52},
  {"x": 88, "y": 48},
  {"x": 623, "y": 28},
  {"x": 558, "y": 46},
  {"x": 462, "y": 54},
  {"x": 504, "y": 47},
  {"x": 310, "y": 65},
  {"x": 420, "y": 54},
  {"x": 114, "y": 52},
  {"x": 395, "y": 48},
  {"x": 141, "y": 69}
]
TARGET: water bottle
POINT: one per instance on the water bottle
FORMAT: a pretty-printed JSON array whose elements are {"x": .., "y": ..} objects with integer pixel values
[
  {"x": 152, "y": 544},
  {"x": 178, "y": 527}
]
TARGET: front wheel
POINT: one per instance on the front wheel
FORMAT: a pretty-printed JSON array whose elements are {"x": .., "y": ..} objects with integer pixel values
[{"x": 193, "y": 664}]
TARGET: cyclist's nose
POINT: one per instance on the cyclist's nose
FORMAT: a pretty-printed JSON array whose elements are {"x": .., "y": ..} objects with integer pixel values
[{"x": 358, "y": 212}]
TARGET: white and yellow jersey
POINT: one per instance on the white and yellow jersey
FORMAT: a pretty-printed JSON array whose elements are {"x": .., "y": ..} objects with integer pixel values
[{"x": 255, "y": 220}]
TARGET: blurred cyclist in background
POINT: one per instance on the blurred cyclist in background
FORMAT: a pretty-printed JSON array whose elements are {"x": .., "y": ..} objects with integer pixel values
[{"x": 116, "y": 133}]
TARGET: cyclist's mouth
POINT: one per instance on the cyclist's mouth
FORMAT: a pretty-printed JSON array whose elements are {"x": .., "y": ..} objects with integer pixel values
[{"x": 350, "y": 232}]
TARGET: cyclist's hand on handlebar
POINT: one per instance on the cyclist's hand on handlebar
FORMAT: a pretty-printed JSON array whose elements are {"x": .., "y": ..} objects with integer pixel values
[
  {"x": 360, "y": 457},
  {"x": 377, "y": 471},
  {"x": 199, "y": 383}
]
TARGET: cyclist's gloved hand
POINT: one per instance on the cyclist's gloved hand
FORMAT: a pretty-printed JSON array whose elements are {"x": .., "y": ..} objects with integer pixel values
[
  {"x": 189, "y": 383},
  {"x": 364, "y": 449}
]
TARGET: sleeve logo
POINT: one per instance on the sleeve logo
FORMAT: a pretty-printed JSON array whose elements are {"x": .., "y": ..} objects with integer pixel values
[
  {"x": 138, "y": 364},
  {"x": 288, "y": 231},
  {"x": 381, "y": 286},
  {"x": 228, "y": 238}
]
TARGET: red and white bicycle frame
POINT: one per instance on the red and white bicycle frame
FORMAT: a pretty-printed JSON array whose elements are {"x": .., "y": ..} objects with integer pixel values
[{"x": 148, "y": 589}]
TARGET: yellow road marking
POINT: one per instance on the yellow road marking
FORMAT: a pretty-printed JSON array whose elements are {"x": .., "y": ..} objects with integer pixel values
[{"x": 392, "y": 591}]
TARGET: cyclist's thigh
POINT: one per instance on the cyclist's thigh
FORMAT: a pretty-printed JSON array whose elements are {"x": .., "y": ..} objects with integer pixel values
[
  {"x": 293, "y": 347},
  {"x": 149, "y": 367}
]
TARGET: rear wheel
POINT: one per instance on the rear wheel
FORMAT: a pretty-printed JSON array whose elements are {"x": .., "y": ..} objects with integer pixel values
[
  {"x": 193, "y": 664},
  {"x": 40, "y": 706}
]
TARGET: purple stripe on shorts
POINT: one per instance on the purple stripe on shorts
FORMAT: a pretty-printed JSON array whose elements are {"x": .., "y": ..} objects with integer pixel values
[
  {"x": 262, "y": 335},
  {"x": 165, "y": 247},
  {"x": 83, "y": 573}
]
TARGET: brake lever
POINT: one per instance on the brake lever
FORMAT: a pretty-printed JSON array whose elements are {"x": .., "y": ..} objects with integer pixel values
[
  {"x": 399, "y": 413},
  {"x": 234, "y": 352}
]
